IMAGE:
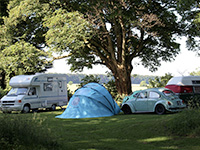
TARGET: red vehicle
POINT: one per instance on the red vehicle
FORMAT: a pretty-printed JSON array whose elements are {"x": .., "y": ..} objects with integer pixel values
[{"x": 184, "y": 86}]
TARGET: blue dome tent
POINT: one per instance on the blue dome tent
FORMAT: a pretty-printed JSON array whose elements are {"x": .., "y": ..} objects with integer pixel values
[{"x": 90, "y": 101}]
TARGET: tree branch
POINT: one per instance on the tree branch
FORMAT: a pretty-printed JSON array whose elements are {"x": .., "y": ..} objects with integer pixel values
[{"x": 60, "y": 57}]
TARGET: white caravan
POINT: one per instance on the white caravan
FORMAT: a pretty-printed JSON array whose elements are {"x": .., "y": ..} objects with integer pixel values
[{"x": 30, "y": 92}]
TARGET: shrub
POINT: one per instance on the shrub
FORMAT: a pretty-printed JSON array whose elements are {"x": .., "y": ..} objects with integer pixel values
[
  {"x": 193, "y": 102},
  {"x": 185, "y": 123},
  {"x": 69, "y": 93},
  {"x": 21, "y": 132},
  {"x": 111, "y": 87},
  {"x": 3, "y": 92},
  {"x": 88, "y": 79}
]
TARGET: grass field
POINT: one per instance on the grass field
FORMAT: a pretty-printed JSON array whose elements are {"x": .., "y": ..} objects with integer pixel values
[{"x": 119, "y": 132}]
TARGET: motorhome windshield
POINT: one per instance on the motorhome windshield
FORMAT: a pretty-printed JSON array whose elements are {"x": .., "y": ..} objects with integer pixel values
[{"x": 17, "y": 91}]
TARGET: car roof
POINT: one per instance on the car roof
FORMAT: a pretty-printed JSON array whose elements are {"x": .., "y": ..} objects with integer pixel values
[{"x": 156, "y": 89}]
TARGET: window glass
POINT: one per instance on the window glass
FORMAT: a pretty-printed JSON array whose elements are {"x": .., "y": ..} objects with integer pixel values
[
  {"x": 142, "y": 95},
  {"x": 169, "y": 93},
  {"x": 48, "y": 87},
  {"x": 17, "y": 91},
  {"x": 60, "y": 84},
  {"x": 32, "y": 91},
  {"x": 50, "y": 79},
  {"x": 154, "y": 95}
]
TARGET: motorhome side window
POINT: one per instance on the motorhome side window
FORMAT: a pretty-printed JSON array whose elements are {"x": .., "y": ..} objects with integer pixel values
[
  {"x": 60, "y": 84},
  {"x": 32, "y": 91},
  {"x": 48, "y": 87},
  {"x": 49, "y": 79}
]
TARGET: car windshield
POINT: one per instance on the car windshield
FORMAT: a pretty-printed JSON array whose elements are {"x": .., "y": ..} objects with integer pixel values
[
  {"x": 134, "y": 94},
  {"x": 17, "y": 91},
  {"x": 169, "y": 93}
]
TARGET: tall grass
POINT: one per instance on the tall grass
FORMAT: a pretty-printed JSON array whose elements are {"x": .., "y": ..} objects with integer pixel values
[
  {"x": 186, "y": 123},
  {"x": 20, "y": 132}
]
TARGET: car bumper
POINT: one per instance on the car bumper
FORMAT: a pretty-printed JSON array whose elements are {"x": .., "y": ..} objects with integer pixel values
[
  {"x": 10, "y": 108},
  {"x": 176, "y": 109}
]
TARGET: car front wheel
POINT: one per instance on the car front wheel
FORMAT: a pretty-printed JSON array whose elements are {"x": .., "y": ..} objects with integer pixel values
[
  {"x": 126, "y": 109},
  {"x": 160, "y": 109}
]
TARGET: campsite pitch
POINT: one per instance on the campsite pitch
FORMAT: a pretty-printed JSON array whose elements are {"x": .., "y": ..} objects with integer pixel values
[
  {"x": 140, "y": 131},
  {"x": 127, "y": 132}
]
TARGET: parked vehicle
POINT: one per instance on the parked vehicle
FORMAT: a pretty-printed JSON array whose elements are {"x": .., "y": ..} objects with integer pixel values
[
  {"x": 158, "y": 100},
  {"x": 30, "y": 92},
  {"x": 184, "y": 86}
]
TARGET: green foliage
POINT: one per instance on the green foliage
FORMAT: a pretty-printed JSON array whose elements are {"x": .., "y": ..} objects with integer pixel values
[
  {"x": 23, "y": 58},
  {"x": 24, "y": 22},
  {"x": 111, "y": 87},
  {"x": 89, "y": 78},
  {"x": 138, "y": 29},
  {"x": 196, "y": 72},
  {"x": 22, "y": 40},
  {"x": 25, "y": 132},
  {"x": 143, "y": 83},
  {"x": 70, "y": 82},
  {"x": 3, "y": 10},
  {"x": 186, "y": 123},
  {"x": 2, "y": 92},
  {"x": 159, "y": 81},
  {"x": 67, "y": 30},
  {"x": 190, "y": 13},
  {"x": 76, "y": 78},
  {"x": 69, "y": 93},
  {"x": 193, "y": 102}
]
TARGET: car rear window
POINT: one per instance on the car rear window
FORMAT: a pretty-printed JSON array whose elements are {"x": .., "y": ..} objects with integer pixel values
[{"x": 169, "y": 93}]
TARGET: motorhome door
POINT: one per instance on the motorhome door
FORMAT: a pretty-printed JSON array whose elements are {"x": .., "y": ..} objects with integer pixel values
[{"x": 32, "y": 98}]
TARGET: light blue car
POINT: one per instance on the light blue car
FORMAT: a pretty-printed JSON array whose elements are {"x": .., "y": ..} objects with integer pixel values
[{"x": 158, "y": 100}]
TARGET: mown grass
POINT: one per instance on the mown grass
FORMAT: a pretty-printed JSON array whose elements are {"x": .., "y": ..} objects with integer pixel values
[{"x": 127, "y": 132}]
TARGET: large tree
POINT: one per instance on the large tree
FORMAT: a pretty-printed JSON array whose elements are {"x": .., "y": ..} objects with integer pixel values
[
  {"x": 20, "y": 52},
  {"x": 110, "y": 33}
]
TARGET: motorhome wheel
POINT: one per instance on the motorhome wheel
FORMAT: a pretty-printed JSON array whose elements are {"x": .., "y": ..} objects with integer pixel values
[{"x": 26, "y": 109}]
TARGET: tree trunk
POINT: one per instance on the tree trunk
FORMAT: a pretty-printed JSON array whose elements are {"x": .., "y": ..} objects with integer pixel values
[{"x": 122, "y": 75}]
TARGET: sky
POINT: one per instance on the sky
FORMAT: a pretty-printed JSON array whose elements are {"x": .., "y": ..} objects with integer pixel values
[{"x": 184, "y": 63}]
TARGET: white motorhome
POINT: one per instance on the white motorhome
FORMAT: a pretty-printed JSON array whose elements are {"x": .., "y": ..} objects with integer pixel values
[
  {"x": 30, "y": 92},
  {"x": 185, "y": 86}
]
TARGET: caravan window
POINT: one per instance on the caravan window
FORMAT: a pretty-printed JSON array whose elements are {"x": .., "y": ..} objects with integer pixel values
[{"x": 48, "y": 87}]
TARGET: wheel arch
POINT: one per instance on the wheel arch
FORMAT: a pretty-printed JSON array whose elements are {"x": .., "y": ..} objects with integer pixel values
[
  {"x": 130, "y": 106},
  {"x": 157, "y": 110},
  {"x": 27, "y": 104},
  {"x": 159, "y": 103}
]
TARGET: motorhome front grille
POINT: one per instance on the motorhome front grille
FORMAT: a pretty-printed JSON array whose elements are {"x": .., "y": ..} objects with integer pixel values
[
  {"x": 8, "y": 105},
  {"x": 8, "y": 102}
]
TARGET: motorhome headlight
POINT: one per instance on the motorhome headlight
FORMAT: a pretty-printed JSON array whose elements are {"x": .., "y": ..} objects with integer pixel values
[{"x": 19, "y": 101}]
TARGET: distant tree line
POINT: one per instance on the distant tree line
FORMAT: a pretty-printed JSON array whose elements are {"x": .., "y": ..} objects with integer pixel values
[{"x": 135, "y": 79}]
